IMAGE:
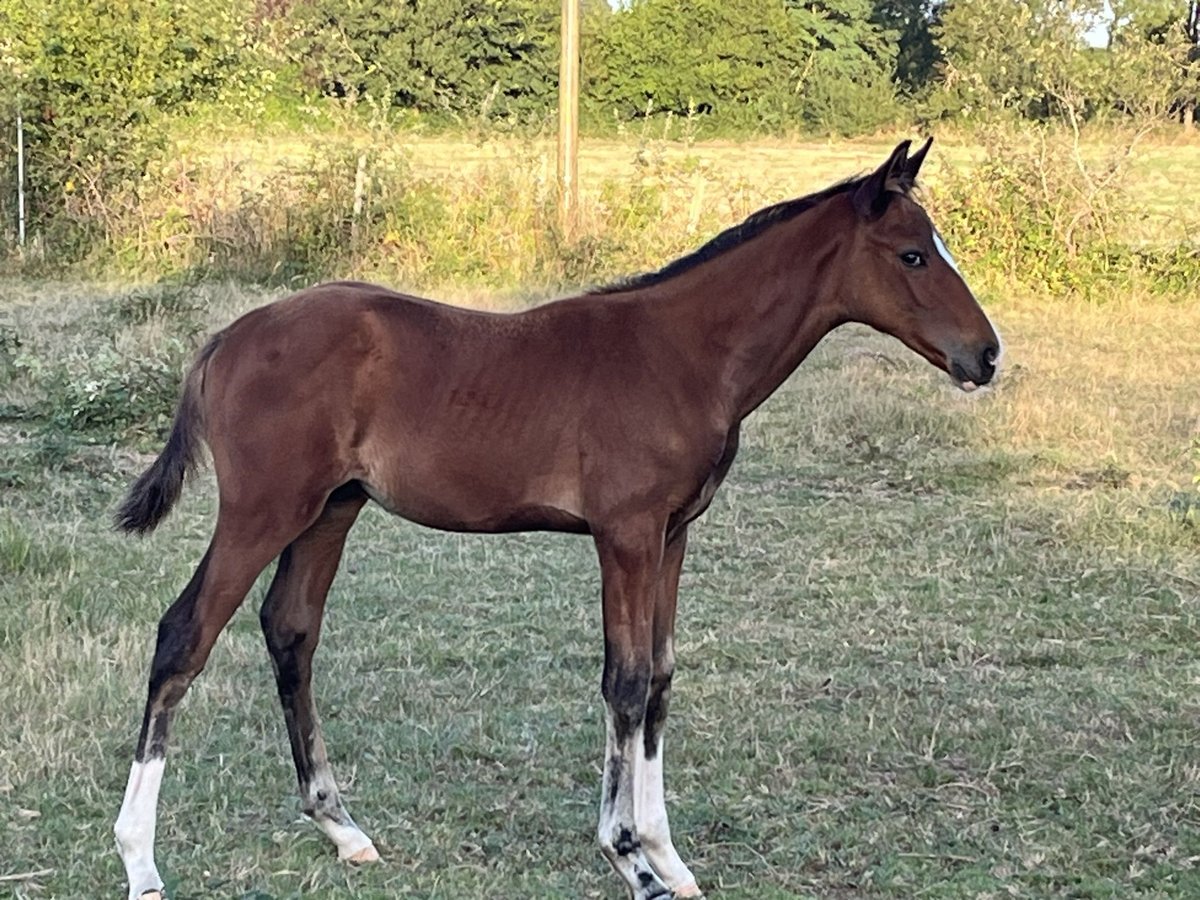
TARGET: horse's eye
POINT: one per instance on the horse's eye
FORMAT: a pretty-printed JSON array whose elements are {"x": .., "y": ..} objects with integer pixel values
[{"x": 914, "y": 259}]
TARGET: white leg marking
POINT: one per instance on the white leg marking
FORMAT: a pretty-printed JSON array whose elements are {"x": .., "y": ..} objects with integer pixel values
[
  {"x": 609, "y": 814},
  {"x": 135, "y": 826},
  {"x": 352, "y": 844},
  {"x": 650, "y": 810},
  {"x": 618, "y": 834}
]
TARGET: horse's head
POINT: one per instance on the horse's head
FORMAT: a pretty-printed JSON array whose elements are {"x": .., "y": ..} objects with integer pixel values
[{"x": 904, "y": 282}]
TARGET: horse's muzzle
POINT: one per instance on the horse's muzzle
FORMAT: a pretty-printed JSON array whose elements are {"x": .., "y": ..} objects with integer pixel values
[{"x": 975, "y": 370}]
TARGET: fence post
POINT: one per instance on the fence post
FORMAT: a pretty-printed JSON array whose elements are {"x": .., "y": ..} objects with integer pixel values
[
  {"x": 20, "y": 180},
  {"x": 568, "y": 119}
]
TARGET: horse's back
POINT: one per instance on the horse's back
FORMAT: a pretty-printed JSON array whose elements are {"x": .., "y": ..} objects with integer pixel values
[{"x": 447, "y": 416}]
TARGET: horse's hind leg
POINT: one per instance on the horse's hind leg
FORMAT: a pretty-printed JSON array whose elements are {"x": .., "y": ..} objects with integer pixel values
[
  {"x": 291, "y": 623},
  {"x": 241, "y": 548}
]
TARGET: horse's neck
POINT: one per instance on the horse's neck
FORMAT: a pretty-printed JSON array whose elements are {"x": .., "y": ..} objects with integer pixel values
[{"x": 756, "y": 311}]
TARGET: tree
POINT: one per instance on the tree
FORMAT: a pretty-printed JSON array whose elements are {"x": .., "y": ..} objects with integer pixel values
[
  {"x": 847, "y": 84},
  {"x": 914, "y": 23},
  {"x": 759, "y": 64},
  {"x": 1014, "y": 56},
  {"x": 1157, "y": 45},
  {"x": 458, "y": 57}
]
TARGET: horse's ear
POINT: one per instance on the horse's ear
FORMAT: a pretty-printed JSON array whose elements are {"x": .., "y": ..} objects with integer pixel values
[
  {"x": 872, "y": 196},
  {"x": 913, "y": 165}
]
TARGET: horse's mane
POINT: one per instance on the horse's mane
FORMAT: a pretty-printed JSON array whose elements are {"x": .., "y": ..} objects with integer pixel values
[{"x": 753, "y": 226}]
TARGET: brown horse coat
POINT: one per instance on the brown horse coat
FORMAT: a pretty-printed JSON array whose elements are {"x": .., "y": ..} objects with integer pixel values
[{"x": 614, "y": 413}]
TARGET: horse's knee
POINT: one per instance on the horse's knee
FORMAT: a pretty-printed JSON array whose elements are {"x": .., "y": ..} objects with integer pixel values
[
  {"x": 281, "y": 635},
  {"x": 625, "y": 688}
]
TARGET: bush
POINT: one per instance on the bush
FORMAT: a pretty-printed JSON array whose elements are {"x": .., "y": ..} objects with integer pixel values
[
  {"x": 93, "y": 80},
  {"x": 1036, "y": 212},
  {"x": 107, "y": 397}
]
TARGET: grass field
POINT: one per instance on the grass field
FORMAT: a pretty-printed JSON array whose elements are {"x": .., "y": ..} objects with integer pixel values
[
  {"x": 804, "y": 165},
  {"x": 436, "y": 214},
  {"x": 930, "y": 646},
  {"x": 732, "y": 172}
]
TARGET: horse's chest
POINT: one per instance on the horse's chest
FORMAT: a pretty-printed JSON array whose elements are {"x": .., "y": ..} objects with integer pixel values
[
  {"x": 699, "y": 503},
  {"x": 707, "y": 489}
]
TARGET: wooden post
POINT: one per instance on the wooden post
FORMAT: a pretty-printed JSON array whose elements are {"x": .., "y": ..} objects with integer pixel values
[
  {"x": 360, "y": 193},
  {"x": 20, "y": 180},
  {"x": 568, "y": 119},
  {"x": 1188, "y": 114}
]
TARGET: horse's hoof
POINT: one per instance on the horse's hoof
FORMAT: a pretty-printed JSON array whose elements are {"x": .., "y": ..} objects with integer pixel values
[
  {"x": 367, "y": 854},
  {"x": 152, "y": 894},
  {"x": 689, "y": 892}
]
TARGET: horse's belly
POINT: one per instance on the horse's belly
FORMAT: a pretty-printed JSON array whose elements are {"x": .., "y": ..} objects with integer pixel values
[{"x": 476, "y": 498}]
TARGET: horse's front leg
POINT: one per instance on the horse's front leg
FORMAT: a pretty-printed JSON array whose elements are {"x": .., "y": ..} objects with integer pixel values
[
  {"x": 630, "y": 561},
  {"x": 650, "y": 808}
]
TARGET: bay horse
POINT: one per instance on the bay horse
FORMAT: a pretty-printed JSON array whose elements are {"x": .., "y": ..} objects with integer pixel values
[{"x": 613, "y": 414}]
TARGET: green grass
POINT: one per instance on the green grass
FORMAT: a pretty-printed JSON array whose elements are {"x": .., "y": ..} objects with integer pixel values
[{"x": 929, "y": 646}]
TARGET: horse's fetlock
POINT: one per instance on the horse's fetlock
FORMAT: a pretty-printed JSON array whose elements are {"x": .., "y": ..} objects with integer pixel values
[
  {"x": 626, "y": 842},
  {"x": 324, "y": 803}
]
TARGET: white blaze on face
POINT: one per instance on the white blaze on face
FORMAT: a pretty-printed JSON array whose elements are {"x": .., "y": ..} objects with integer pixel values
[{"x": 943, "y": 252}]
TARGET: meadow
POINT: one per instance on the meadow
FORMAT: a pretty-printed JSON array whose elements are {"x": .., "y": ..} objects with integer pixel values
[
  {"x": 476, "y": 220},
  {"x": 930, "y": 645}
]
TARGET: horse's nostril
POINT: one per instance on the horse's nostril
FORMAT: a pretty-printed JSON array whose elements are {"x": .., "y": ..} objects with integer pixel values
[{"x": 987, "y": 364}]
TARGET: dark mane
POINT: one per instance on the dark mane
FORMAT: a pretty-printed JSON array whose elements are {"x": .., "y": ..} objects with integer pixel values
[{"x": 753, "y": 226}]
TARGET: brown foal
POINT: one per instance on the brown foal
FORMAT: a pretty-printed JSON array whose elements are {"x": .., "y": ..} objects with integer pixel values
[{"x": 614, "y": 414}]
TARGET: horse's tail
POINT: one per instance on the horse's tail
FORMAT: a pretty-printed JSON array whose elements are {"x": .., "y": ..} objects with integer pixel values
[{"x": 159, "y": 487}]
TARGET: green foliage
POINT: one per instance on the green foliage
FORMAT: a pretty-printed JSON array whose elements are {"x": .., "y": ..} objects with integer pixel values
[
  {"x": 1184, "y": 505},
  {"x": 845, "y": 85},
  {"x": 10, "y": 347},
  {"x": 734, "y": 61},
  {"x": 1154, "y": 58},
  {"x": 107, "y": 397},
  {"x": 1037, "y": 213},
  {"x": 1029, "y": 58},
  {"x": 917, "y": 54},
  {"x": 1009, "y": 56},
  {"x": 105, "y": 382},
  {"x": 762, "y": 65},
  {"x": 93, "y": 80},
  {"x": 461, "y": 58}
]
